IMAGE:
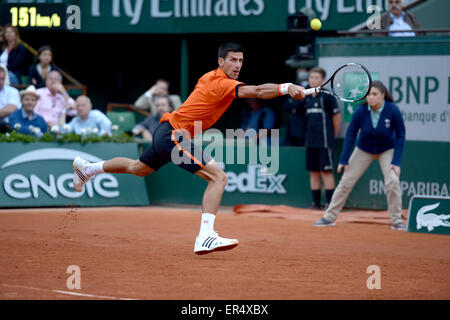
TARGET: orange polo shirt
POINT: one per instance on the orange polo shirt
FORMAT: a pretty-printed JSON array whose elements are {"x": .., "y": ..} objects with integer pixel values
[{"x": 211, "y": 97}]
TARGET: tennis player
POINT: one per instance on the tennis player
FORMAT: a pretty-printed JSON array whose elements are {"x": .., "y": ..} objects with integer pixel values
[{"x": 213, "y": 94}]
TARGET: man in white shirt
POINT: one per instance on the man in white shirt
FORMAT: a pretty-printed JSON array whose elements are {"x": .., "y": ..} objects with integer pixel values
[
  {"x": 88, "y": 120},
  {"x": 147, "y": 101},
  {"x": 398, "y": 19},
  {"x": 9, "y": 98}
]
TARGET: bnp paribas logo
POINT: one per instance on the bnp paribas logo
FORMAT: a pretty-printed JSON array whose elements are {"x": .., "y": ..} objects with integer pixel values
[
  {"x": 430, "y": 220},
  {"x": 353, "y": 88},
  {"x": 36, "y": 174}
]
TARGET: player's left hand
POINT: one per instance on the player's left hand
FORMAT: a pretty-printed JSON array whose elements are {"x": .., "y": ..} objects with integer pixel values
[
  {"x": 396, "y": 169},
  {"x": 296, "y": 92}
]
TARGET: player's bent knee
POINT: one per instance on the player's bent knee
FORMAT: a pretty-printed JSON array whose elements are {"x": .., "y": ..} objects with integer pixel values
[
  {"x": 213, "y": 173},
  {"x": 222, "y": 178}
]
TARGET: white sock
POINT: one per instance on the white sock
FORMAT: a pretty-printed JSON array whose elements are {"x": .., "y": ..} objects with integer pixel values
[
  {"x": 207, "y": 223},
  {"x": 95, "y": 168}
]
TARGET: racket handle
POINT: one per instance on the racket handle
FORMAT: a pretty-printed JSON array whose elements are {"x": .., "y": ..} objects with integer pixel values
[{"x": 308, "y": 92}]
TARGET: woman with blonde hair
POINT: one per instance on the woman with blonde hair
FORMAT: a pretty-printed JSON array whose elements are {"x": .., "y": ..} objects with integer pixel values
[{"x": 13, "y": 54}]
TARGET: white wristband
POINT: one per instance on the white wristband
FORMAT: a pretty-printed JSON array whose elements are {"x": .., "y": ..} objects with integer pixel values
[{"x": 283, "y": 88}]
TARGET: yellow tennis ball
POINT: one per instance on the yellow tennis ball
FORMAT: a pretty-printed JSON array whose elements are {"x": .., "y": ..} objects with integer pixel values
[{"x": 316, "y": 24}]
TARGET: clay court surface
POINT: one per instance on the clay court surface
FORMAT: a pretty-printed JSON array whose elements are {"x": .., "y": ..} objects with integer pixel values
[{"x": 147, "y": 253}]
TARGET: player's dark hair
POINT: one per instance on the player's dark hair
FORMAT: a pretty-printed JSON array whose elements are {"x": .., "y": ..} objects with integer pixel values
[
  {"x": 382, "y": 88},
  {"x": 229, "y": 46},
  {"x": 320, "y": 71}
]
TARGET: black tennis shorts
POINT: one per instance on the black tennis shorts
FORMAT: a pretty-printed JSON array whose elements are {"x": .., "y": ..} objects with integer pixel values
[
  {"x": 319, "y": 159},
  {"x": 170, "y": 145}
]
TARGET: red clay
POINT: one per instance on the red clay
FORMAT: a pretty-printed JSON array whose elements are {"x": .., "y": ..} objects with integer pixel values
[{"x": 147, "y": 253}]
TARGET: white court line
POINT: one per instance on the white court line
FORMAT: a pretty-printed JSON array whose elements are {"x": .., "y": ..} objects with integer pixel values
[{"x": 65, "y": 292}]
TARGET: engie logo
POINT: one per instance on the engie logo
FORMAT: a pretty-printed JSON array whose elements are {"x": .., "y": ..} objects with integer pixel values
[
  {"x": 255, "y": 181},
  {"x": 19, "y": 185}
]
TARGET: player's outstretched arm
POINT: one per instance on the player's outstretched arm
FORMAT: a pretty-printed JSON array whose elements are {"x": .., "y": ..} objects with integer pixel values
[{"x": 271, "y": 90}]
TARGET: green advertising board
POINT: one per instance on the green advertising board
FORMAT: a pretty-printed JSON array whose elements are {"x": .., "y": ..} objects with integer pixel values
[
  {"x": 40, "y": 175},
  {"x": 429, "y": 215},
  {"x": 247, "y": 184},
  {"x": 193, "y": 16}
]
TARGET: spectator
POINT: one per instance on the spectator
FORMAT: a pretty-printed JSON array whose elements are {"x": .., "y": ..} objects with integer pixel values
[
  {"x": 322, "y": 126},
  {"x": 295, "y": 133},
  {"x": 302, "y": 76},
  {"x": 9, "y": 98},
  {"x": 22, "y": 119},
  {"x": 54, "y": 102},
  {"x": 148, "y": 126},
  {"x": 398, "y": 19},
  {"x": 259, "y": 117},
  {"x": 13, "y": 54},
  {"x": 5, "y": 69},
  {"x": 38, "y": 72},
  {"x": 160, "y": 88},
  {"x": 87, "y": 119},
  {"x": 381, "y": 129},
  {"x": 1, "y": 36}
]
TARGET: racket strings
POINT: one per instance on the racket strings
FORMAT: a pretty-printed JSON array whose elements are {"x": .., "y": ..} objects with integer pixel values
[{"x": 351, "y": 83}]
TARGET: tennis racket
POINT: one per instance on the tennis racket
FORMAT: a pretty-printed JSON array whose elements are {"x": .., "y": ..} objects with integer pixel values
[{"x": 350, "y": 83}]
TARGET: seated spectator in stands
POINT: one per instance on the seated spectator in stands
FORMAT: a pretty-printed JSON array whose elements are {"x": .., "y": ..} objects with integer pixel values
[
  {"x": 1, "y": 36},
  {"x": 22, "y": 119},
  {"x": 302, "y": 76},
  {"x": 148, "y": 126},
  {"x": 54, "y": 102},
  {"x": 147, "y": 101},
  {"x": 13, "y": 54},
  {"x": 398, "y": 19},
  {"x": 296, "y": 126},
  {"x": 9, "y": 98},
  {"x": 259, "y": 117},
  {"x": 7, "y": 82},
  {"x": 38, "y": 72},
  {"x": 88, "y": 120}
]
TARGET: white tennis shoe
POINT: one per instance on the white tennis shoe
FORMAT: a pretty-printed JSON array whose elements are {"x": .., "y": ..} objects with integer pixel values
[
  {"x": 210, "y": 242},
  {"x": 79, "y": 173}
]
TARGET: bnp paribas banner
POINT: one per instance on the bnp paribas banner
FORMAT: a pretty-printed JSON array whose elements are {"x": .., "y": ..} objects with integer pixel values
[
  {"x": 185, "y": 16},
  {"x": 416, "y": 72},
  {"x": 40, "y": 174}
]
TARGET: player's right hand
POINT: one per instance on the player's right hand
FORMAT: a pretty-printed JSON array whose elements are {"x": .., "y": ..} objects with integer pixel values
[
  {"x": 340, "y": 167},
  {"x": 296, "y": 92}
]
